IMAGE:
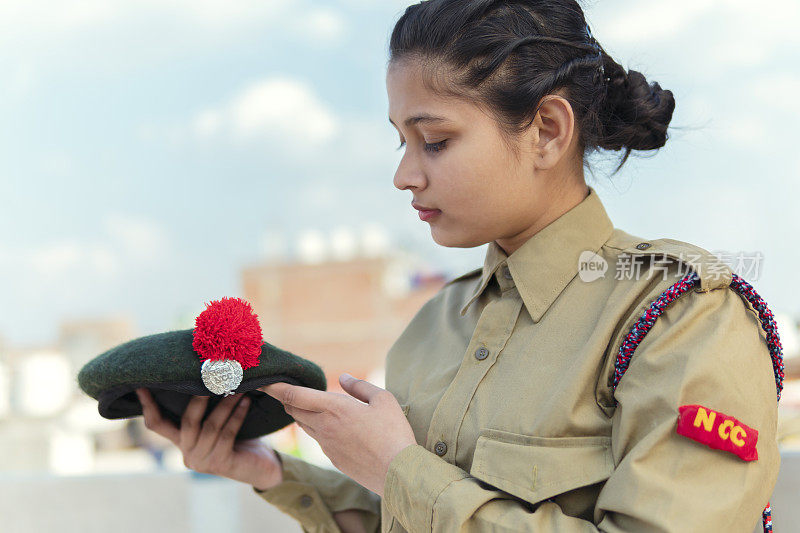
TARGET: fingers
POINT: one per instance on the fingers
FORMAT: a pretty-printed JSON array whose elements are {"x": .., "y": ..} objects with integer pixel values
[
  {"x": 227, "y": 435},
  {"x": 302, "y": 397},
  {"x": 359, "y": 388},
  {"x": 153, "y": 419},
  {"x": 206, "y": 445},
  {"x": 190, "y": 422},
  {"x": 213, "y": 425}
]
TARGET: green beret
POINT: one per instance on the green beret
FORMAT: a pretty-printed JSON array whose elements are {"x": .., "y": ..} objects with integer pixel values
[{"x": 169, "y": 365}]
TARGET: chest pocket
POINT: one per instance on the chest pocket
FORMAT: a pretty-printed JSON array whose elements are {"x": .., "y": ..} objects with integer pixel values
[{"x": 538, "y": 468}]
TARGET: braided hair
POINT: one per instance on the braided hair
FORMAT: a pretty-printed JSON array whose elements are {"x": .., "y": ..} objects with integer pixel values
[{"x": 507, "y": 55}]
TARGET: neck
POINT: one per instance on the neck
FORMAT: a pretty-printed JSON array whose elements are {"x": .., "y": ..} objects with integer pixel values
[{"x": 566, "y": 201}]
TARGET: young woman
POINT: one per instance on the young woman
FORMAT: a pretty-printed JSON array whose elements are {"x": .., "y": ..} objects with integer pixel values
[{"x": 514, "y": 400}]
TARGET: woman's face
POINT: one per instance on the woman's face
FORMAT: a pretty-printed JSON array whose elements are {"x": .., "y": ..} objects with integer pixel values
[{"x": 456, "y": 161}]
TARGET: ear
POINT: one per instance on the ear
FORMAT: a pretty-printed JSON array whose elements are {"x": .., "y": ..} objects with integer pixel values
[{"x": 555, "y": 125}]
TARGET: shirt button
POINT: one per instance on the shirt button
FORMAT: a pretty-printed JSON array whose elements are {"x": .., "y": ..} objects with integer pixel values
[
  {"x": 643, "y": 246},
  {"x": 440, "y": 448},
  {"x": 306, "y": 500},
  {"x": 506, "y": 273},
  {"x": 481, "y": 353}
]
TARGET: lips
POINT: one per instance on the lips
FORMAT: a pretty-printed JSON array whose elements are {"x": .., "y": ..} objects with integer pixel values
[{"x": 419, "y": 207}]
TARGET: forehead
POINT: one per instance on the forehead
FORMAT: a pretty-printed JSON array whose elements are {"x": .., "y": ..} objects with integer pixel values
[{"x": 409, "y": 95}]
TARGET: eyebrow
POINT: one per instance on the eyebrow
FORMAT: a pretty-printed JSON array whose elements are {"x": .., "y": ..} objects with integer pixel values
[{"x": 410, "y": 121}]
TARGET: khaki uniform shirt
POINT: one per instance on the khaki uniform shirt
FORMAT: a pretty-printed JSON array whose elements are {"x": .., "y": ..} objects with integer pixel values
[{"x": 505, "y": 377}]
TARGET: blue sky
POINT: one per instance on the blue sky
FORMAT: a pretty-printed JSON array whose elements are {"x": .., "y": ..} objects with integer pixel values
[{"x": 149, "y": 149}]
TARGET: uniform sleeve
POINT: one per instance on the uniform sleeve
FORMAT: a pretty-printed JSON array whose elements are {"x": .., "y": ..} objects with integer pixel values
[
  {"x": 311, "y": 494},
  {"x": 707, "y": 349}
]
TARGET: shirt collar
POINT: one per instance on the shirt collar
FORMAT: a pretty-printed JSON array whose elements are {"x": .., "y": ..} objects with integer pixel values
[{"x": 543, "y": 266}]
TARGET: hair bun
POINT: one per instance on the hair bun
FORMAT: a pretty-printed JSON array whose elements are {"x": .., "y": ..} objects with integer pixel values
[{"x": 636, "y": 113}]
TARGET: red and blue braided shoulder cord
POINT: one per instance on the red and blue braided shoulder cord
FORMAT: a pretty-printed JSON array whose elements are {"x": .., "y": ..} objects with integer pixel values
[{"x": 688, "y": 282}]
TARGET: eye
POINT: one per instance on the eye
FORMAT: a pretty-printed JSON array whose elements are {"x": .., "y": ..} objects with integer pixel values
[
  {"x": 435, "y": 147},
  {"x": 429, "y": 147}
]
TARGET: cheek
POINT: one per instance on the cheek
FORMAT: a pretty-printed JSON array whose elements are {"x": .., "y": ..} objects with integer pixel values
[
  {"x": 473, "y": 210},
  {"x": 475, "y": 183},
  {"x": 478, "y": 190},
  {"x": 462, "y": 178},
  {"x": 488, "y": 205}
]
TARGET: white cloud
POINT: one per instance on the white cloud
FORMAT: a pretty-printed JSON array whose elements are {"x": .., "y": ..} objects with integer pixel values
[
  {"x": 758, "y": 114},
  {"x": 323, "y": 26},
  {"x": 57, "y": 257},
  {"x": 276, "y": 110},
  {"x": 645, "y": 21},
  {"x": 138, "y": 238},
  {"x": 274, "y": 244},
  {"x": 320, "y": 194},
  {"x": 738, "y": 54},
  {"x": 58, "y": 260},
  {"x": 372, "y": 4},
  {"x": 208, "y": 123},
  {"x": 221, "y": 12},
  {"x": 36, "y": 35},
  {"x": 747, "y": 129},
  {"x": 31, "y": 21},
  {"x": 131, "y": 241},
  {"x": 778, "y": 92},
  {"x": 718, "y": 35},
  {"x": 36, "y": 18},
  {"x": 286, "y": 116}
]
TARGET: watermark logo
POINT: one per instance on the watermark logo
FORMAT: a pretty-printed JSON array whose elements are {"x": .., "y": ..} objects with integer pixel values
[
  {"x": 591, "y": 266},
  {"x": 748, "y": 265}
]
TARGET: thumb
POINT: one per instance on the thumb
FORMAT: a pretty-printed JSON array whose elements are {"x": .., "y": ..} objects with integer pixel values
[{"x": 363, "y": 390}]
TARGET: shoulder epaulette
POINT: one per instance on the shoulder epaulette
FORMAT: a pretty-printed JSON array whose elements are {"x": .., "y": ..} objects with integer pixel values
[{"x": 712, "y": 272}]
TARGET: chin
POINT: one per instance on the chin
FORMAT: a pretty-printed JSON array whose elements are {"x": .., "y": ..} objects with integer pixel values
[{"x": 448, "y": 240}]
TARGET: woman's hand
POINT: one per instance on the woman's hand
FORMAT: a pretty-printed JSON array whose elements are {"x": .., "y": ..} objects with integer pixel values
[
  {"x": 210, "y": 447},
  {"x": 360, "y": 433}
]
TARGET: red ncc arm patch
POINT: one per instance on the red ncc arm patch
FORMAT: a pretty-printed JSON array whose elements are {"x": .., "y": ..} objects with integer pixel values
[{"x": 718, "y": 431}]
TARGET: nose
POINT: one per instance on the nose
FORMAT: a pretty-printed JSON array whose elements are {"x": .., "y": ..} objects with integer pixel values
[{"x": 409, "y": 174}]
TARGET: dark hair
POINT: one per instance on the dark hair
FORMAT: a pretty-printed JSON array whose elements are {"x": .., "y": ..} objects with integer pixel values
[{"x": 508, "y": 54}]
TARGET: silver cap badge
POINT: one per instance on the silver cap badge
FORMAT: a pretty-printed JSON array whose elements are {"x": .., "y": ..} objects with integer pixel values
[{"x": 221, "y": 377}]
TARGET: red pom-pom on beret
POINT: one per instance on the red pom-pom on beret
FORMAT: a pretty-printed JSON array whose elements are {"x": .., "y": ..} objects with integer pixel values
[{"x": 228, "y": 329}]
